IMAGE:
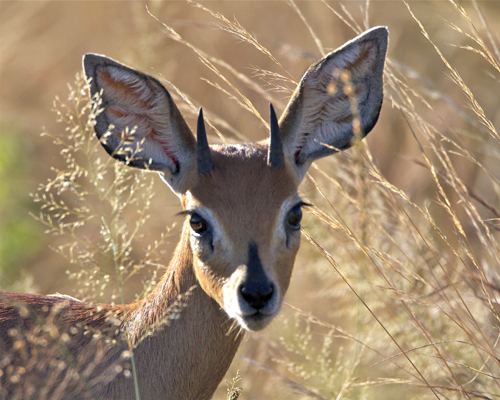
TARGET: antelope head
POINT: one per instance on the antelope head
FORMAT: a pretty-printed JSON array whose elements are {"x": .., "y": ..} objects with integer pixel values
[{"x": 241, "y": 202}]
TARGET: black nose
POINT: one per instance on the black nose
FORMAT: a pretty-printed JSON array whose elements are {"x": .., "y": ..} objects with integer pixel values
[
  {"x": 257, "y": 294},
  {"x": 256, "y": 289}
]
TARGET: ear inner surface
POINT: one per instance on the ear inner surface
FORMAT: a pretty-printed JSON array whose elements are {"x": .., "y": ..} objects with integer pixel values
[
  {"x": 338, "y": 99},
  {"x": 139, "y": 123},
  {"x": 148, "y": 130}
]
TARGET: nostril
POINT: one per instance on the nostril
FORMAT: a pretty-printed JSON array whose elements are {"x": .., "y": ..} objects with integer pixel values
[{"x": 257, "y": 295}]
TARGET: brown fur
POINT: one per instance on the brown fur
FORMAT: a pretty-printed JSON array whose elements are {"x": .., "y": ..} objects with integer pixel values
[
  {"x": 242, "y": 186},
  {"x": 202, "y": 340},
  {"x": 198, "y": 342}
]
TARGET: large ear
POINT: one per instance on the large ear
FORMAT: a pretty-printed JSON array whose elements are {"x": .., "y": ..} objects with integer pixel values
[
  {"x": 339, "y": 96},
  {"x": 140, "y": 123}
]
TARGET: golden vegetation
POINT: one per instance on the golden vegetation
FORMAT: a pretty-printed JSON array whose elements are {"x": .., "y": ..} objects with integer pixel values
[{"x": 395, "y": 290}]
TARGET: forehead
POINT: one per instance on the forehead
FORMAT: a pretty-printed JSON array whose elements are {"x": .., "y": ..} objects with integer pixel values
[{"x": 242, "y": 182}]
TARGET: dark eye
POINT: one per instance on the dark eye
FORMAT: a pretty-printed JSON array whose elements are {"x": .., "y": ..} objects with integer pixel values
[
  {"x": 294, "y": 217},
  {"x": 198, "y": 224}
]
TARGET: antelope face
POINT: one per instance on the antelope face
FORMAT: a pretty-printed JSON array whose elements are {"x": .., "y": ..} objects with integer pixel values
[
  {"x": 242, "y": 201},
  {"x": 244, "y": 220}
]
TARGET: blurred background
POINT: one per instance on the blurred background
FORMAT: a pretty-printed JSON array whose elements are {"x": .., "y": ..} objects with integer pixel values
[{"x": 42, "y": 44}]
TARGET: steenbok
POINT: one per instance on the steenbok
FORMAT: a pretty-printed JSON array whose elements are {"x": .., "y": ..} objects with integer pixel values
[{"x": 238, "y": 243}]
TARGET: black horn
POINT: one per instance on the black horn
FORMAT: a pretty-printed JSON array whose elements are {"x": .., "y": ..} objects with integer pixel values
[
  {"x": 204, "y": 157},
  {"x": 275, "y": 156}
]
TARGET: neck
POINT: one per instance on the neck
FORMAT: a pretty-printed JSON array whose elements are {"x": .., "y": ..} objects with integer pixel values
[{"x": 184, "y": 342}]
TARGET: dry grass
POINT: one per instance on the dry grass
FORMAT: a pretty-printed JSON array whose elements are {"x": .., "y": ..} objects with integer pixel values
[{"x": 396, "y": 289}]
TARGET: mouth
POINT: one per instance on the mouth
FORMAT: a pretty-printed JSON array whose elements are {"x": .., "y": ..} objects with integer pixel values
[{"x": 255, "y": 321}]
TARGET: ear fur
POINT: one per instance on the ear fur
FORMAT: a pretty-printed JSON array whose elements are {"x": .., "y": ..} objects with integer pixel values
[
  {"x": 140, "y": 123},
  {"x": 338, "y": 98}
]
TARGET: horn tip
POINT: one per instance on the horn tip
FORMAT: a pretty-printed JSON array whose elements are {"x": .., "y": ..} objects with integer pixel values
[
  {"x": 204, "y": 157},
  {"x": 272, "y": 108},
  {"x": 275, "y": 157}
]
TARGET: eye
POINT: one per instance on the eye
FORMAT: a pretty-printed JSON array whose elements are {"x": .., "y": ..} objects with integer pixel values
[
  {"x": 198, "y": 224},
  {"x": 294, "y": 217}
]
